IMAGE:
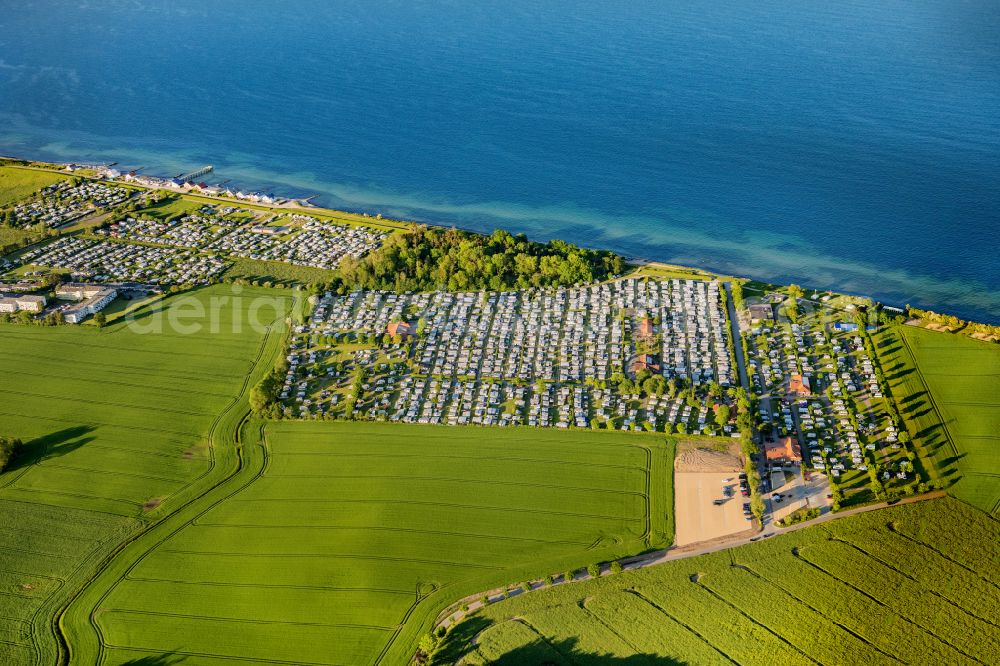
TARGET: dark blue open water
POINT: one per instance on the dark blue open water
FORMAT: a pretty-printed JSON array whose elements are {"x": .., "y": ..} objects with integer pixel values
[{"x": 851, "y": 144}]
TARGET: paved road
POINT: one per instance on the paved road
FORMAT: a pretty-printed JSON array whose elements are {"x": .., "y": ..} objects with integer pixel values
[{"x": 745, "y": 383}]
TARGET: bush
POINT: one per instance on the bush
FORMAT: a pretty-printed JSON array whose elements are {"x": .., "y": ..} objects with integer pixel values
[
  {"x": 616, "y": 567},
  {"x": 799, "y": 516},
  {"x": 8, "y": 451},
  {"x": 526, "y": 587},
  {"x": 594, "y": 570},
  {"x": 568, "y": 576},
  {"x": 549, "y": 580}
]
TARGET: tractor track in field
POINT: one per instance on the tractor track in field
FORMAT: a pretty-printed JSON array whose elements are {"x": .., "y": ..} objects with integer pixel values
[
  {"x": 180, "y": 435},
  {"x": 879, "y": 602},
  {"x": 455, "y": 505},
  {"x": 112, "y": 382},
  {"x": 456, "y": 479},
  {"x": 65, "y": 650},
  {"x": 448, "y": 456}
]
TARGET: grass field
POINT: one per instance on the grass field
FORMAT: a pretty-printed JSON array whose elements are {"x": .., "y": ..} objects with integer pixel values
[
  {"x": 16, "y": 184},
  {"x": 277, "y": 272},
  {"x": 10, "y": 235},
  {"x": 170, "y": 207},
  {"x": 948, "y": 388},
  {"x": 908, "y": 584},
  {"x": 340, "y": 542},
  {"x": 119, "y": 430}
]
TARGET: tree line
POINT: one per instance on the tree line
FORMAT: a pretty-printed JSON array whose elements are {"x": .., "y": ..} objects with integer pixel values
[{"x": 424, "y": 258}]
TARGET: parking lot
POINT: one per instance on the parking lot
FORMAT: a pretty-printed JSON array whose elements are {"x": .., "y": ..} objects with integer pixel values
[{"x": 708, "y": 503}]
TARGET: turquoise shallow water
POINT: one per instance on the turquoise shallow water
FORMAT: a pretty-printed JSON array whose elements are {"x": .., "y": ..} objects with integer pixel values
[{"x": 851, "y": 145}]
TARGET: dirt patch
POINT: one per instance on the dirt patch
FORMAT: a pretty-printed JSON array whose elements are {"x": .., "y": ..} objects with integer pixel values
[
  {"x": 692, "y": 457},
  {"x": 151, "y": 504},
  {"x": 707, "y": 506}
]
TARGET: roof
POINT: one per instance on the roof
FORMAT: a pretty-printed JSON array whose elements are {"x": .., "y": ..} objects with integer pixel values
[
  {"x": 799, "y": 384},
  {"x": 646, "y": 328},
  {"x": 400, "y": 328},
  {"x": 785, "y": 449}
]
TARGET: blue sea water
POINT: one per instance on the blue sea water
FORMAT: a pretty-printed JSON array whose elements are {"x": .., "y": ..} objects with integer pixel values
[{"x": 852, "y": 145}]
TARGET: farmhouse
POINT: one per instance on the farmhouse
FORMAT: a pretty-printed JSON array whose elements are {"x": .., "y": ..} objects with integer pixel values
[
  {"x": 643, "y": 362},
  {"x": 400, "y": 329},
  {"x": 799, "y": 385},
  {"x": 645, "y": 329},
  {"x": 785, "y": 450}
]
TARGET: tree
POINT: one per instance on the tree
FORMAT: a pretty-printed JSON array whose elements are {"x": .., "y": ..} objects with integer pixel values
[
  {"x": 568, "y": 576},
  {"x": 616, "y": 567},
  {"x": 8, "y": 451},
  {"x": 426, "y": 647},
  {"x": 737, "y": 288},
  {"x": 594, "y": 570},
  {"x": 757, "y": 506},
  {"x": 722, "y": 413},
  {"x": 549, "y": 580},
  {"x": 100, "y": 319}
]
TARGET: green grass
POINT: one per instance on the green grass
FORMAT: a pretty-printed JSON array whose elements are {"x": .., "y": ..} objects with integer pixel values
[
  {"x": 170, "y": 207},
  {"x": 948, "y": 389},
  {"x": 118, "y": 427},
  {"x": 911, "y": 583},
  {"x": 343, "y": 541},
  {"x": 277, "y": 272},
  {"x": 17, "y": 184},
  {"x": 10, "y": 235}
]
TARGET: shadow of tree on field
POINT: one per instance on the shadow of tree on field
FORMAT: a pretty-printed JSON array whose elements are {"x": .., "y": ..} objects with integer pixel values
[
  {"x": 165, "y": 659},
  {"x": 540, "y": 652},
  {"x": 50, "y": 446},
  {"x": 899, "y": 374},
  {"x": 913, "y": 396}
]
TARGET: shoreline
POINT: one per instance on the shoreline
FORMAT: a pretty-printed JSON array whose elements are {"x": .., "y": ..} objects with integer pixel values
[{"x": 304, "y": 203}]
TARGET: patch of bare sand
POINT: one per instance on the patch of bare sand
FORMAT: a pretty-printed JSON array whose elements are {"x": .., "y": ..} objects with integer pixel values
[{"x": 694, "y": 457}]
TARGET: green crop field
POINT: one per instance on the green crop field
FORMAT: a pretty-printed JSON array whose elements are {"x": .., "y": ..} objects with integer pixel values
[
  {"x": 914, "y": 583},
  {"x": 948, "y": 388},
  {"x": 16, "y": 184},
  {"x": 119, "y": 428},
  {"x": 340, "y": 542}
]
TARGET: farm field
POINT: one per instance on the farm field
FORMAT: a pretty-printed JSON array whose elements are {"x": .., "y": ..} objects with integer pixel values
[
  {"x": 948, "y": 387},
  {"x": 16, "y": 184},
  {"x": 342, "y": 541},
  {"x": 915, "y": 583},
  {"x": 119, "y": 429}
]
